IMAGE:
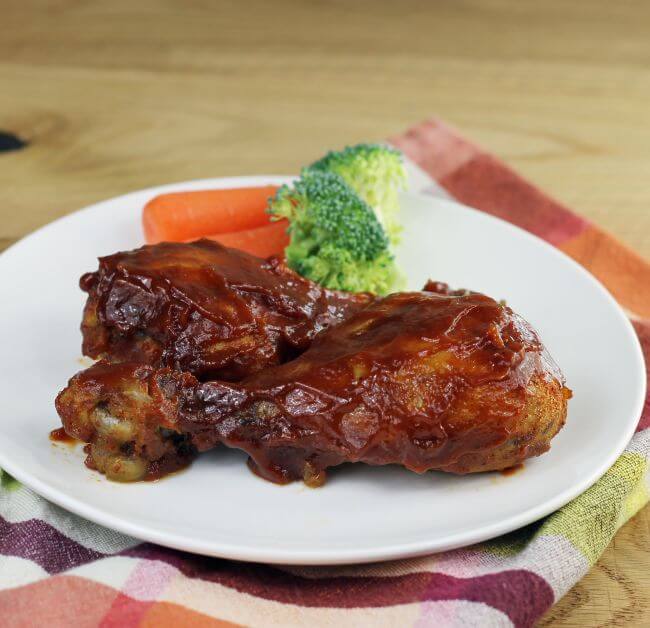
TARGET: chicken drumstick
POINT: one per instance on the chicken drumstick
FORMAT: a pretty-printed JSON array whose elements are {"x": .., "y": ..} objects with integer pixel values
[
  {"x": 204, "y": 308},
  {"x": 456, "y": 383}
]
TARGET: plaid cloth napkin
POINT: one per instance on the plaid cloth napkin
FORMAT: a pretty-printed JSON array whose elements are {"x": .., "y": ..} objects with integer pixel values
[{"x": 59, "y": 570}]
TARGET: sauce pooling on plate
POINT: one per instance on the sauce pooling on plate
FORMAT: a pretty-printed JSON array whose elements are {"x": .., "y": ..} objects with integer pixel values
[{"x": 59, "y": 435}]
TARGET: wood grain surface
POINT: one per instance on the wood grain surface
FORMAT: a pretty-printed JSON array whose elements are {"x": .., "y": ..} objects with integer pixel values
[{"x": 115, "y": 96}]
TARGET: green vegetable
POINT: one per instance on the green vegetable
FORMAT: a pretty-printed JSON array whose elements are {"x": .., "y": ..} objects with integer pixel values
[
  {"x": 376, "y": 173},
  {"x": 336, "y": 238}
]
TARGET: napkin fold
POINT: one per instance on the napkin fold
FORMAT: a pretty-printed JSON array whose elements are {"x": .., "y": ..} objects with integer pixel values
[{"x": 57, "y": 569}]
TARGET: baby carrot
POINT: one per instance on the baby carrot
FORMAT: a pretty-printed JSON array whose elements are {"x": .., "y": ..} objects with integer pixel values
[
  {"x": 270, "y": 239},
  {"x": 179, "y": 216}
]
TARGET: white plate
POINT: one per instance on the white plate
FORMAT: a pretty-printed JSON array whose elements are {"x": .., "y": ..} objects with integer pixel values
[{"x": 218, "y": 507}]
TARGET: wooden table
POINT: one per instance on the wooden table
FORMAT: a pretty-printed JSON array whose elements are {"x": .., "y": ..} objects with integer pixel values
[{"x": 115, "y": 96}]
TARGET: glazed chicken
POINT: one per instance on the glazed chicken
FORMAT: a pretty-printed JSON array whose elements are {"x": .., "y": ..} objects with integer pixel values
[
  {"x": 453, "y": 382},
  {"x": 204, "y": 308}
]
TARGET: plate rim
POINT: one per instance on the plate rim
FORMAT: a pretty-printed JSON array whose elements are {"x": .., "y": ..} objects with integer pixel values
[{"x": 348, "y": 556}]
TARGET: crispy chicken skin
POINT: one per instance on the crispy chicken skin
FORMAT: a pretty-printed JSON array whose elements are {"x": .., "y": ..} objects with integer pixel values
[
  {"x": 453, "y": 382},
  {"x": 204, "y": 308}
]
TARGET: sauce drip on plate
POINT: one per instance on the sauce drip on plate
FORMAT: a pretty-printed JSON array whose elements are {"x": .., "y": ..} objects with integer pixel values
[{"x": 59, "y": 435}]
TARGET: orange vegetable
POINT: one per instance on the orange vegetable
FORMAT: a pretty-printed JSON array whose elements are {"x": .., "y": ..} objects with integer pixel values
[
  {"x": 270, "y": 239},
  {"x": 179, "y": 216}
]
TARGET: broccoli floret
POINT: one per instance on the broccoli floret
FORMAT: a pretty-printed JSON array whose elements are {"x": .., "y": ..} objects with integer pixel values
[
  {"x": 336, "y": 239},
  {"x": 376, "y": 173},
  {"x": 335, "y": 268}
]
